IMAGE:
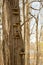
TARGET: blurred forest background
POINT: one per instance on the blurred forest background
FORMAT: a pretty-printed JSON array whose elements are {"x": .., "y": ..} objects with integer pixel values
[{"x": 31, "y": 21}]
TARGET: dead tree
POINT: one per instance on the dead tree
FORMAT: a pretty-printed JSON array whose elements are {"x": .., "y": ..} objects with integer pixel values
[
  {"x": 12, "y": 33},
  {"x": 6, "y": 28},
  {"x": 37, "y": 57},
  {"x": 27, "y": 37}
]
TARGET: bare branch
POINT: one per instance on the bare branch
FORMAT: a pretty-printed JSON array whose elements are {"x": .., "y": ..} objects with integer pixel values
[
  {"x": 32, "y": 16},
  {"x": 31, "y": 2},
  {"x": 26, "y": 21},
  {"x": 35, "y": 9}
]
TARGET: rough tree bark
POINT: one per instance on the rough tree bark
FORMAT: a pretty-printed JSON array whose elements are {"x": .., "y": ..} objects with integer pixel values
[
  {"x": 13, "y": 45},
  {"x": 27, "y": 37}
]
